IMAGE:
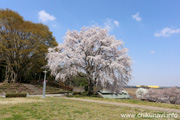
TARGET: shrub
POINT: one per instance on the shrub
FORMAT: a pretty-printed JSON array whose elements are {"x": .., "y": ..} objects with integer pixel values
[
  {"x": 16, "y": 95},
  {"x": 76, "y": 93},
  {"x": 169, "y": 95},
  {"x": 61, "y": 85},
  {"x": 78, "y": 89},
  {"x": 66, "y": 88},
  {"x": 140, "y": 92}
]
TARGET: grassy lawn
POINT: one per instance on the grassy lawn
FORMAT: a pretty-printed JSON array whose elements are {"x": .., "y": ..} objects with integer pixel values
[
  {"x": 132, "y": 92},
  {"x": 132, "y": 101},
  {"x": 63, "y": 109}
]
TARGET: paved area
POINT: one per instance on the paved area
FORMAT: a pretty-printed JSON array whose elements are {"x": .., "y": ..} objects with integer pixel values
[{"x": 127, "y": 105}]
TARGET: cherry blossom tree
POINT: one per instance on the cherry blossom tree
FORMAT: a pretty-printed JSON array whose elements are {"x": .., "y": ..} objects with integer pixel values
[
  {"x": 140, "y": 92},
  {"x": 168, "y": 95},
  {"x": 92, "y": 51}
]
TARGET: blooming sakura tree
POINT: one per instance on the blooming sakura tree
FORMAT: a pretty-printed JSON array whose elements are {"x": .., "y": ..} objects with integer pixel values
[
  {"x": 140, "y": 92},
  {"x": 168, "y": 95},
  {"x": 91, "y": 51}
]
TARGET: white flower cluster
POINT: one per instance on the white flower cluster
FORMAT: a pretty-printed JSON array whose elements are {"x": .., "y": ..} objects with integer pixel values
[
  {"x": 140, "y": 92},
  {"x": 95, "y": 53}
]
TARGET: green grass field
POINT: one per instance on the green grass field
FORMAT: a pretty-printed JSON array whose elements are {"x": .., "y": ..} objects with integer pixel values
[
  {"x": 133, "y": 101},
  {"x": 63, "y": 109}
]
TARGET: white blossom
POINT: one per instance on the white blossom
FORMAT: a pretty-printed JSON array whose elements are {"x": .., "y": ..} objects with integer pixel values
[{"x": 95, "y": 53}]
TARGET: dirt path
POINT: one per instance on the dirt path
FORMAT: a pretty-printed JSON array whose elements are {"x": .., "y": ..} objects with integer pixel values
[{"x": 127, "y": 105}]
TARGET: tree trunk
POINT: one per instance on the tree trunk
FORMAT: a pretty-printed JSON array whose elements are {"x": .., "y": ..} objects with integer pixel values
[
  {"x": 6, "y": 76},
  {"x": 10, "y": 76},
  {"x": 5, "y": 81},
  {"x": 90, "y": 87}
]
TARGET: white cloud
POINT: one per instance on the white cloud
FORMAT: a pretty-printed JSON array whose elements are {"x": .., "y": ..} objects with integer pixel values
[
  {"x": 152, "y": 52},
  {"x": 116, "y": 23},
  {"x": 166, "y": 32},
  {"x": 109, "y": 24},
  {"x": 137, "y": 17},
  {"x": 44, "y": 16}
]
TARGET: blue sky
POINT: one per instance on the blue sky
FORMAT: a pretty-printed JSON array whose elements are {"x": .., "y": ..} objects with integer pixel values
[{"x": 149, "y": 28}]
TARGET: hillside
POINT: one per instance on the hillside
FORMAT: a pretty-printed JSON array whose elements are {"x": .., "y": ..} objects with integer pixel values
[{"x": 29, "y": 88}]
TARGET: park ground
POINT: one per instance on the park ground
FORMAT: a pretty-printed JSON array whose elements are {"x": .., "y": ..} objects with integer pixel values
[
  {"x": 59, "y": 108},
  {"x": 80, "y": 107}
]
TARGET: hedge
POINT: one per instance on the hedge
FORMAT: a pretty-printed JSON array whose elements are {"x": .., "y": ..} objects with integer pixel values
[{"x": 8, "y": 95}]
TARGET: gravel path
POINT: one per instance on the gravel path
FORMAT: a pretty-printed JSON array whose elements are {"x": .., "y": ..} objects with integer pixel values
[{"x": 127, "y": 105}]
